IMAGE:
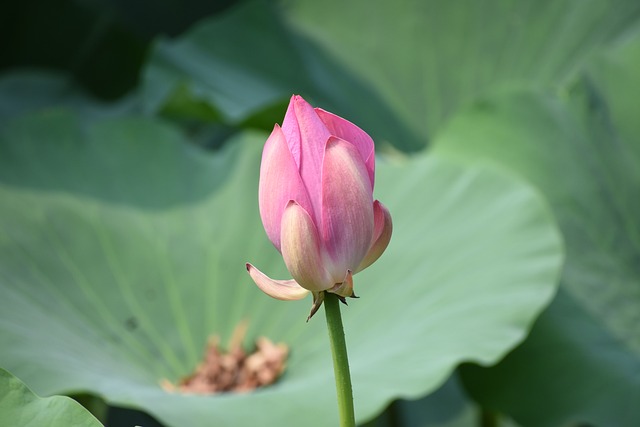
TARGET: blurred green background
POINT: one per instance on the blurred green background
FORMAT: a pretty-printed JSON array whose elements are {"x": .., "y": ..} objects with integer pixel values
[{"x": 509, "y": 143}]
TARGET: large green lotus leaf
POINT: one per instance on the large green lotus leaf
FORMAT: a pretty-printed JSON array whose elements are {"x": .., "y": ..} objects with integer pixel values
[
  {"x": 35, "y": 90},
  {"x": 397, "y": 69},
  {"x": 123, "y": 250},
  {"x": 216, "y": 73},
  {"x": 448, "y": 406},
  {"x": 582, "y": 360},
  {"x": 19, "y": 406}
]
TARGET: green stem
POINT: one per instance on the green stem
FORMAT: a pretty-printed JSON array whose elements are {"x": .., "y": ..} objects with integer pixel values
[{"x": 340, "y": 360}]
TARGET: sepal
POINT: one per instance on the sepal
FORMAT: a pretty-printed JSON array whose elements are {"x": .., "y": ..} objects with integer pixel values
[{"x": 318, "y": 299}]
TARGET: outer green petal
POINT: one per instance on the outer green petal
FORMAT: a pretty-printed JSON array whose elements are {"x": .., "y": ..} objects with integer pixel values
[
  {"x": 301, "y": 249},
  {"x": 285, "y": 290},
  {"x": 344, "y": 289}
]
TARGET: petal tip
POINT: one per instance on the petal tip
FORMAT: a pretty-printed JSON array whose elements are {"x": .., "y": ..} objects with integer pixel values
[{"x": 285, "y": 290}]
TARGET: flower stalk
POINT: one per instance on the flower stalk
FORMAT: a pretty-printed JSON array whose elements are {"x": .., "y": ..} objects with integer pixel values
[{"x": 340, "y": 360}]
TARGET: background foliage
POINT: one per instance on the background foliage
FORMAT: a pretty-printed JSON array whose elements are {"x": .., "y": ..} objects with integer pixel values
[{"x": 130, "y": 135}]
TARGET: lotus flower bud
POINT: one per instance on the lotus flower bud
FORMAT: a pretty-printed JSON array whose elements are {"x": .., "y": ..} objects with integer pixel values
[{"x": 316, "y": 204}]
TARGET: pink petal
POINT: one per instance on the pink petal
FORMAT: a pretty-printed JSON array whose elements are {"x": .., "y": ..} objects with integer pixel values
[
  {"x": 291, "y": 131},
  {"x": 279, "y": 183},
  {"x": 346, "y": 130},
  {"x": 306, "y": 135},
  {"x": 301, "y": 249},
  {"x": 383, "y": 227},
  {"x": 285, "y": 290},
  {"x": 347, "y": 207}
]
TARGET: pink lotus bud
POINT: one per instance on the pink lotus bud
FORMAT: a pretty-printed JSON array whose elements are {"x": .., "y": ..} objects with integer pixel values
[{"x": 316, "y": 204}]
